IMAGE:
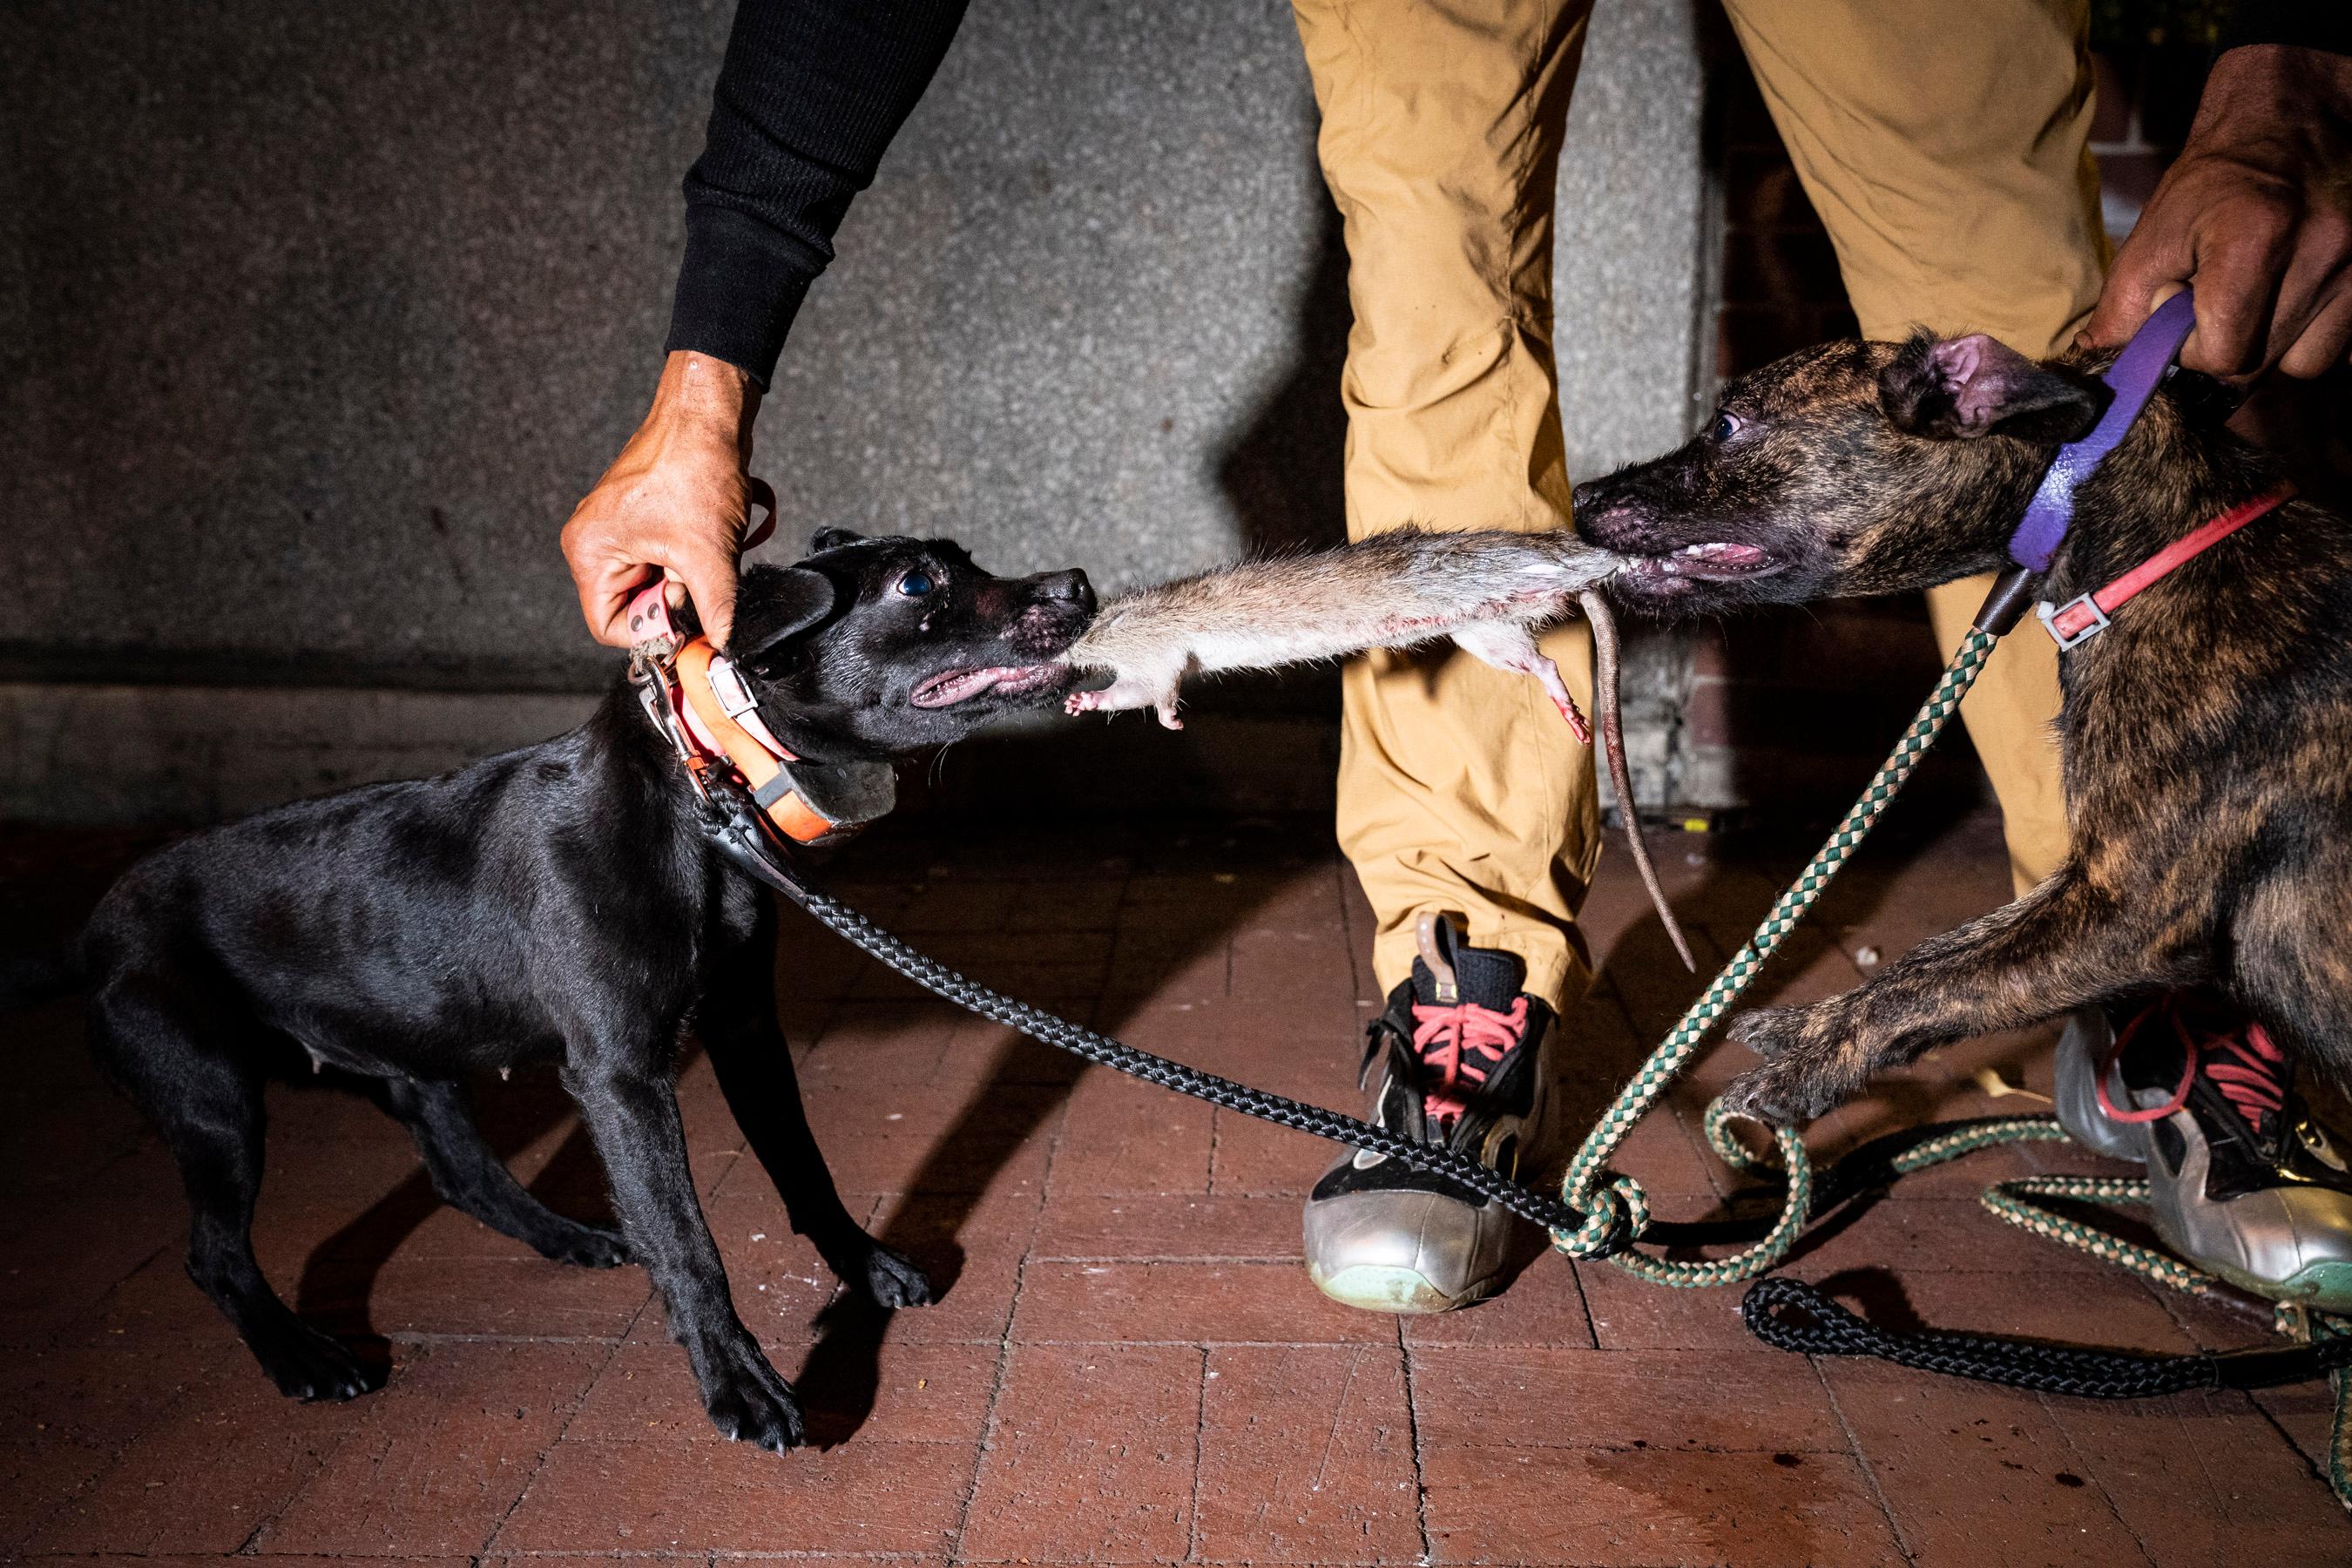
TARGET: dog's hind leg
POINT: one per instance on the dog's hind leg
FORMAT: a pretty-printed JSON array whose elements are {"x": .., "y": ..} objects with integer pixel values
[
  {"x": 2062, "y": 946},
  {"x": 205, "y": 1098},
  {"x": 2291, "y": 964},
  {"x": 737, "y": 1021},
  {"x": 470, "y": 1177}
]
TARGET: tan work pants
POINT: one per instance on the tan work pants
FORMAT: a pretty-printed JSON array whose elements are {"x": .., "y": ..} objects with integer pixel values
[{"x": 1942, "y": 142}]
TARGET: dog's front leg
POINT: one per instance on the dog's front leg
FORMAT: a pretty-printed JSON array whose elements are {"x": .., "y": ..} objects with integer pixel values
[
  {"x": 632, "y": 1116},
  {"x": 2063, "y": 946},
  {"x": 737, "y": 1021}
]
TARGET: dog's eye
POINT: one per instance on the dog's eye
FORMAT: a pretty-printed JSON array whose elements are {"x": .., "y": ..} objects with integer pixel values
[
  {"x": 1727, "y": 425},
  {"x": 916, "y": 583}
]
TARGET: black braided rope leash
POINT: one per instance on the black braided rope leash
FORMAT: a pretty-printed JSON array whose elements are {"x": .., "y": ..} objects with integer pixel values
[
  {"x": 741, "y": 839},
  {"x": 1792, "y": 1315},
  {"x": 1786, "y": 1313}
]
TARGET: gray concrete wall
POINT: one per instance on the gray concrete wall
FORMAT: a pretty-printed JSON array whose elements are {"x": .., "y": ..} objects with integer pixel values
[{"x": 315, "y": 321}]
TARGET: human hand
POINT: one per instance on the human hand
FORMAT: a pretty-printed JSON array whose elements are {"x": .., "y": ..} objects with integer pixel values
[
  {"x": 677, "y": 499},
  {"x": 2257, "y": 214}
]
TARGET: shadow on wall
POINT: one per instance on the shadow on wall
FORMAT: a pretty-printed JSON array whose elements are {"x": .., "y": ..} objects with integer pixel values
[{"x": 1281, "y": 471}]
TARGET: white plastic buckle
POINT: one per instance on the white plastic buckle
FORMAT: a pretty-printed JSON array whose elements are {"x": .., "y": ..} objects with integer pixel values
[{"x": 2090, "y": 628}]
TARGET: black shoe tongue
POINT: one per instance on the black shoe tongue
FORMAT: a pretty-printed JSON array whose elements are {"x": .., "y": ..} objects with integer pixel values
[{"x": 1488, "y": 976}]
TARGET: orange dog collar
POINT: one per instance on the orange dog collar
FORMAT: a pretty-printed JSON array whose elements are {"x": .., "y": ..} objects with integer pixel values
[{"x": 701, "y": 703}]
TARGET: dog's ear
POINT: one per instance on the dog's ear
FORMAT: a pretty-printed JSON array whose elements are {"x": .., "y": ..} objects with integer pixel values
[
  {"x": 1960, "y": 388},
  {"x": 775, "y": 603},
  {"x": 825, "y": 538}
]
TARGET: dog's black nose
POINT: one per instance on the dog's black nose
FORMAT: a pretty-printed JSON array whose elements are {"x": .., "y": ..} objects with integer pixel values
[{"x": 1068, "y": 588}]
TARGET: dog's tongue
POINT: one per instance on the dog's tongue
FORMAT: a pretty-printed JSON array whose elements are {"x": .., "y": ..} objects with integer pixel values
[{"x": 962, "y": 685}]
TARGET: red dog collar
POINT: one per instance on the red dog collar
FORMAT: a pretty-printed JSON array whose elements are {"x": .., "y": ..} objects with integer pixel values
[{"x": 2079, "y": 619}]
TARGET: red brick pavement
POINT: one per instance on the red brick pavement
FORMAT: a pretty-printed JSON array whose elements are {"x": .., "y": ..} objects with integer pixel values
[{"x": 1129, "y": 1365}]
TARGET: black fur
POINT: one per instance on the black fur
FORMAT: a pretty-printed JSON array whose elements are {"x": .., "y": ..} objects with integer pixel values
[{"x": 555, "y": 904}]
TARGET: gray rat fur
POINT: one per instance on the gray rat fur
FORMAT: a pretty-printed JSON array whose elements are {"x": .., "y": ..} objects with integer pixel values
[{"x": 1489, "y": 592}]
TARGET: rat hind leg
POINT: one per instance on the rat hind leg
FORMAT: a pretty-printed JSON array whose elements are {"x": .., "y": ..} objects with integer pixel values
[
  {"x": 1507, "y": 645},
  {"x": 1133, "y": 688}
]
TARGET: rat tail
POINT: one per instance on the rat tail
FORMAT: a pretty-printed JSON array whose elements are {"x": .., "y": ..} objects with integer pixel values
[{"x": 1605, "y": 668}]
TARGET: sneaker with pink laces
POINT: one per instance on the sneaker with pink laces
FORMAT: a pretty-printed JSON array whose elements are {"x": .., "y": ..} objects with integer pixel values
[
  {"x": 2242, "y": 1182},
  {"x": 1461, "y": 1060}
]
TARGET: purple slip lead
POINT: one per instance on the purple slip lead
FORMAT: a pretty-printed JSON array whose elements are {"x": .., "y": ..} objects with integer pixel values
[{"x": 2134, "y": 376}]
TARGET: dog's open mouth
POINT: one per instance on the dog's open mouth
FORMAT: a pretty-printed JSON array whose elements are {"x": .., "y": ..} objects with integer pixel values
[
  {"x": 1712, "y": 563},
  {"x": 951, "y": 686}
]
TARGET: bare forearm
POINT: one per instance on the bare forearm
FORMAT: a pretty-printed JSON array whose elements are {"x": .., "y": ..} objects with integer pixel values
[{"x": 675, "y": 499}]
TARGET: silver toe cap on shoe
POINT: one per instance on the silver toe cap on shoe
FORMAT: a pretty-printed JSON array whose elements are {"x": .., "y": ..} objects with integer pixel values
[
  {"x": 2288, "y": 1243},
  {"x": 1406, "y": 1251}
]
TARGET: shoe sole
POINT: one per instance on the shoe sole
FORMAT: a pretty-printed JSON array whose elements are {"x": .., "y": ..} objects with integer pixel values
[
  {"x": 2323, "y": 1287},
  {"x": 1382, "y": 1287}
]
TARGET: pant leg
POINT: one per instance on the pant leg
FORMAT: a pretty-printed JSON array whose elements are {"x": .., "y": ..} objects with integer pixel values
[
  {"x": 1943, "y": 142},
  {"x": 1460, "y": 789}
]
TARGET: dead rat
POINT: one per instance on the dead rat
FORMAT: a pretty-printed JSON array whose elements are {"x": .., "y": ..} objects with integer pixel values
[{"x": 1489, "y": 592}]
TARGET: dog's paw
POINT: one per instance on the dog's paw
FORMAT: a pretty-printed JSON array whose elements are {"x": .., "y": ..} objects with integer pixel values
[
  {"x": 1769, "y": 1032},
  {"x": 308, "y": 1365},
  {"x": 1807, "y": 1069},
  {"x": 890, "y": 1278},
  {"x": 751, "y": 1402},
  {"x": 1780, "y": 1095},
  {"x": 588, "y": 1246}
]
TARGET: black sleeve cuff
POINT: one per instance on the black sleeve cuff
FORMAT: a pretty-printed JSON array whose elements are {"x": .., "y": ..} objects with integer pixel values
[
  {"x": 2298, "y": 23},
  {"x": 738, "y": 290}
]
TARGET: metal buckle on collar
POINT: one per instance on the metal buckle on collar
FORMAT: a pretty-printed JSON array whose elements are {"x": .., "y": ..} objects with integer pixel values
[
  {"x": 735, "y": 698},
  {"x": 2081, "y": 627}
]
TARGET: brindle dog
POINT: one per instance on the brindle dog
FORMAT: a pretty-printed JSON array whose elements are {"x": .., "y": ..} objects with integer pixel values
[{"x": 2206, "y": 736}]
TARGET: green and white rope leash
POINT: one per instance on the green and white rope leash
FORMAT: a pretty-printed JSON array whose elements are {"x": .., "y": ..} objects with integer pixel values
[
  {"x": 1616, "y": 1210},
  {"x": 2013, "y": 1200}
]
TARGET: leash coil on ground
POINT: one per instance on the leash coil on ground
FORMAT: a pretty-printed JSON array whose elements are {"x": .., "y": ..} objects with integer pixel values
[
  {"x": 1615, "y": 1206},
  {"x": 1792, "y": 1315}
]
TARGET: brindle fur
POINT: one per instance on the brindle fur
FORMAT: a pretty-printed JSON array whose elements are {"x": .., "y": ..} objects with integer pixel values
[{"x": 2205, "y": 736}]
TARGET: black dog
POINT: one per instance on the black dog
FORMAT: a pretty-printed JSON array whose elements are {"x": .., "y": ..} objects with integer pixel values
[
  {"x": 2205, "y": 736},
  {"x": 557, "y": 903}
]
